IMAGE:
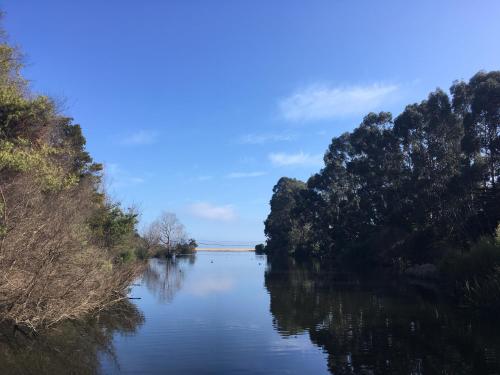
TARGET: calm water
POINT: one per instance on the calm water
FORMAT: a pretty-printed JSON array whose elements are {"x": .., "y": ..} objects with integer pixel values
[{"x": 230, "y": 313}]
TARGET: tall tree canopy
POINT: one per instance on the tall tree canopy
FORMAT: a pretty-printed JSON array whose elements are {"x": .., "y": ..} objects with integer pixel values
[{"x": 400, "y": 190}]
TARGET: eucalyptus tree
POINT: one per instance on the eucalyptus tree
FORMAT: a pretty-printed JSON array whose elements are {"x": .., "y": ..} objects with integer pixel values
[
  {"x": 477, "y": 103},
  {"x": 283, "y": 232},
  {"x": 403, "y": 190}
]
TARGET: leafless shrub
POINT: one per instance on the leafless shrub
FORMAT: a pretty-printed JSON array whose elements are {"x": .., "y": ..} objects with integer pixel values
[
  {"x": 49, "y": 271},
  {"x": 166, "y": 236},
  {"x": 171, "y": 229}
]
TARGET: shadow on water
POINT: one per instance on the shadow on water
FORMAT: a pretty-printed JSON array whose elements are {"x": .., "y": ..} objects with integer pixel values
[
  {"x": 377, "y": 329},
  {"x": 77, "y": 347},
  {"x": 73, "y": 347}
]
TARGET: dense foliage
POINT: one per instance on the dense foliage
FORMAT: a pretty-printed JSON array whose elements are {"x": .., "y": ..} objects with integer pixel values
[
  {"x": 416, "y": 189},
  {"x": 64, "y": 246}
]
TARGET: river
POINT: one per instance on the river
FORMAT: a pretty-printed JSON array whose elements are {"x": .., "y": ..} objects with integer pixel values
[{"x": 233, "y": 313}]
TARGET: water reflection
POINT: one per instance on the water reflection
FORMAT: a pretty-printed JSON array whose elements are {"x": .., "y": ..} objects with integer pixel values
[
  {"x": 374, "y": 331},
  {"x": 229, "y": 317},
  {"x": 78, "y": 347},
  {"x": 164, "y": 277},
  {"x": 70, "y": 348}
]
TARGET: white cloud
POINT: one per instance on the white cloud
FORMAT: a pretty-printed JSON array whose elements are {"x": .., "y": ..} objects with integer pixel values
[
  {"x": 209, "y": 211},
  {"x": 141, "y": 137},
  {"x": 258, "y": 139},
  {"x": 320, "y": 102},
  {"x": 245, "y": 174},
  {"x": 281, "y": 159}
]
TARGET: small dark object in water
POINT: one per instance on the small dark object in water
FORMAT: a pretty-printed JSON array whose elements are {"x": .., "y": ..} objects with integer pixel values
[{"x": 134, "y": 297}]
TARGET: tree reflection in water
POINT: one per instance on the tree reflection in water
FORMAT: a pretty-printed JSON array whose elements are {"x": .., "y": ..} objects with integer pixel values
[
  {"x": 377, "y": 330},
  {"x": 72, "y": 347},
  {"x": 164, "y": 277},
  {"x": 75, "y": 347}
]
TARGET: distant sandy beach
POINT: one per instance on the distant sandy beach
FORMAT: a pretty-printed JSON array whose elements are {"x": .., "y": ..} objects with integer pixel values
[{"x": 236, "y": 249}]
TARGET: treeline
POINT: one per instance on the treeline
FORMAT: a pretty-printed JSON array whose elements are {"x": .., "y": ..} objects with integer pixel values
[
  {"x": 418, "y": 189},
  {"x": 65, "y": 248}
]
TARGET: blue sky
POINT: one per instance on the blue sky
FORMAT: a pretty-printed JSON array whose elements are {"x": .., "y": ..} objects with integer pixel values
[{"x": 198, "y": 107}]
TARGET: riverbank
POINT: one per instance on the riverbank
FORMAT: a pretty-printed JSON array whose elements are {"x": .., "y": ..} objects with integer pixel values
[{"x": 225, "y": 249}]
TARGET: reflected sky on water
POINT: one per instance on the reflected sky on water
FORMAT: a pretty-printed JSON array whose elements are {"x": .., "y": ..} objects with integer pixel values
[{"x": 230, "y": 313}]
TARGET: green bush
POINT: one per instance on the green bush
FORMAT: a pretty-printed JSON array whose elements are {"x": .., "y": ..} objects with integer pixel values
[
  {"x": 475, "y": 274},
  {"x": 142, "y": 253},
  {"x": 483, "y": 293},
  {"x": 186, "y": 248},
  {"x": 260, "y": 249},
  {"x": 128, "y": 255},
  {"x": 480, "y": 261}
]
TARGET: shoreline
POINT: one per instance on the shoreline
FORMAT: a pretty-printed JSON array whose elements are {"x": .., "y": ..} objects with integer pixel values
[{"x": 229, "y": 249}]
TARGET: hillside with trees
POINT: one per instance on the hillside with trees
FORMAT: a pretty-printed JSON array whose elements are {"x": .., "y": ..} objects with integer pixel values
[
  {"x": 65, "y": 248},
  {"x": 411, "y": 193}
]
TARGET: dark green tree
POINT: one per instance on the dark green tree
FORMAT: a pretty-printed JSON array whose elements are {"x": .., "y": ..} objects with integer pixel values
[
  {"x": 282, "y": 228},
  {"x": 400, "y": 192}
]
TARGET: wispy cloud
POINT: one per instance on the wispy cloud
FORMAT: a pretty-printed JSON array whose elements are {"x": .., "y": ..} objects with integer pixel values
[
  {"x": 258, "y": 139},
  {"x": 209, "y": 211},
  {"x": 245, "y": 174},
  {"x": 141, "y": 137},
  {"x": 282, "y": 159},
  {"x": 320, "y": 102}
]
